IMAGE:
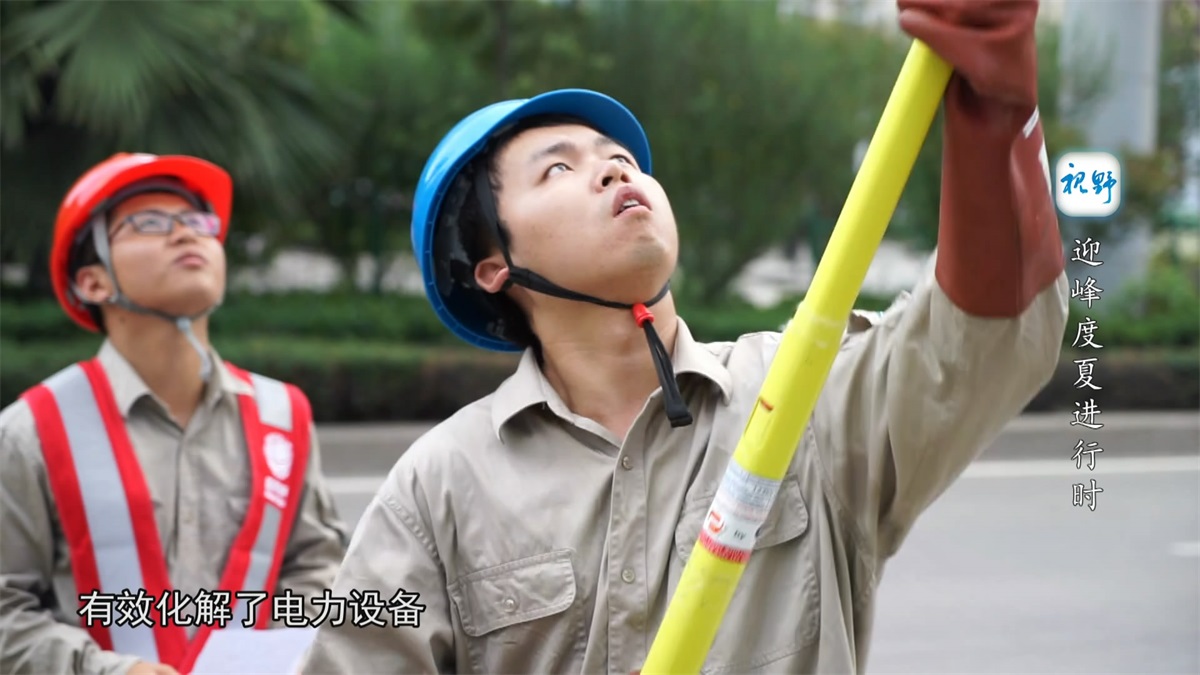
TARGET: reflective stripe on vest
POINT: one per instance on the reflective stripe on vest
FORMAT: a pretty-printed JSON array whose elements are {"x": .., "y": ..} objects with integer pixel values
[
  {"x": 108, "y": 518},
  {"x": 274, "y": 410},
  {"x": 106, "y": 512}
]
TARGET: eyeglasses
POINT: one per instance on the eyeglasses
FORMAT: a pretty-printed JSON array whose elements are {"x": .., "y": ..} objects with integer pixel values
[{"x": 161, "y": 222}]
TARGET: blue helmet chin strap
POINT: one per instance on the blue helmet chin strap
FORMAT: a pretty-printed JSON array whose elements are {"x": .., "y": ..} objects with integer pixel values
[{"x": 98, "y": 230}]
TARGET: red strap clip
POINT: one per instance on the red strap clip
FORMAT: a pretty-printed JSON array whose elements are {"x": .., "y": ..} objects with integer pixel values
[{"x": 641, "y": 314}]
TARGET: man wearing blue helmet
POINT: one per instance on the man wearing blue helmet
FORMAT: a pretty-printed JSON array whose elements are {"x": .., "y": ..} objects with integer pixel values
[{"x": 544, "y": 528}]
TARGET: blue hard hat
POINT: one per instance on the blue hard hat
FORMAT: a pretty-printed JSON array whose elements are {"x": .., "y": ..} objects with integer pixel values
[{"x": 463, "y": 315}]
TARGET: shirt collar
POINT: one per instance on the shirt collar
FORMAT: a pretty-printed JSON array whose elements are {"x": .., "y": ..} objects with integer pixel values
[
  {"x": 128, "y": 387},
  {"x": 528, "y": 386}
]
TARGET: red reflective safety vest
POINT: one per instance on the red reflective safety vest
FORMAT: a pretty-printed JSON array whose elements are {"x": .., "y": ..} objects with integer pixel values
[{"x": 108, "y": 519}]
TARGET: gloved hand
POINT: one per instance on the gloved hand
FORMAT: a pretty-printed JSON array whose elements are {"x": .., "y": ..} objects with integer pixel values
[
  {"x": 998, "y": 239},
  {"x": 990, "y": 43}
]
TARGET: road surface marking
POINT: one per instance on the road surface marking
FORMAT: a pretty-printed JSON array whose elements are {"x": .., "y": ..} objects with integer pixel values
[
  {"x": 1003, "y": 468},
  {"x": 1186, "y": 549}
]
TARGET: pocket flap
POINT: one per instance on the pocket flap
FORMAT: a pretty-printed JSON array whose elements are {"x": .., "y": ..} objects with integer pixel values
[
  {"x": 787, "y": 519},
  {"x": 521, "y": 590}
]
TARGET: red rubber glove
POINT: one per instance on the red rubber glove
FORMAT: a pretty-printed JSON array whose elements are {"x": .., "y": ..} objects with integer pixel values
[{"x": 998, "y": 238}]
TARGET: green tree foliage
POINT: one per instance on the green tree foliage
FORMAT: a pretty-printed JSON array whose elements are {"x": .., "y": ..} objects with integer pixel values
[
  {"x": 753, "y": 117},
  {"x": 325, "y": 111},
  {"x": 1154, "y": 179},
  {"x": 82, "y": 80},
  {"x": 1179, "y": 100}
]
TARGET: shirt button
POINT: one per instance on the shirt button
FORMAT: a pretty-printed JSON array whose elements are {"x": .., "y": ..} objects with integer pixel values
[
  {"x": 510, "y": 604},
  {"x": 626, "y": 462},
  {"x": 627, "y": 576}
]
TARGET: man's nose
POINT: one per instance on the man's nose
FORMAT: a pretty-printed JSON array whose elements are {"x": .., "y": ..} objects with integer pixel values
[
  {"x": 612, "y": 171},
  {"x": 180, "y": 232}
]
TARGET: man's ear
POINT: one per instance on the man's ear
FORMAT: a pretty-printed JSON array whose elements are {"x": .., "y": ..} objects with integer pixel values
[
  {"x": 491, "y": 273},
  {"x": 93, "y": 284}
]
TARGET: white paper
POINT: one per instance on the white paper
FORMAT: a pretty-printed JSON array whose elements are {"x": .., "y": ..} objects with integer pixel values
[{"x": 237, "y": 651}]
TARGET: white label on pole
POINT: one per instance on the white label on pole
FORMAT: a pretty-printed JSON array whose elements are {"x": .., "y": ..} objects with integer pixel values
[{"x": 738, "y": 512}]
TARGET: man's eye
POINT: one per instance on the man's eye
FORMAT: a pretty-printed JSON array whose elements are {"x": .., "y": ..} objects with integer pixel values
[
  {"x": 627, "y": 160},
  {"x": 203, "y": 222},
  {"x": 150, "y": 222},
  {"x": 550, "y": 171}
]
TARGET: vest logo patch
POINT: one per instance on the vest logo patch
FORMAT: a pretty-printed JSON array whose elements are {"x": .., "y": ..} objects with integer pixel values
[{"x": 278, "y": 450}]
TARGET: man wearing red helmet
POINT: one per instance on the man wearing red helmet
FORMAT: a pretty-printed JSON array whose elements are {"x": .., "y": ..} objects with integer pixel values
[
  {"x": 544, "y": 528},
  {"x": 151, "y": 489}
]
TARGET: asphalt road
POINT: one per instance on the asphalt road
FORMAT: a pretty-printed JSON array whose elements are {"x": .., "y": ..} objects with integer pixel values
[{"x": 1003, "y": 574}]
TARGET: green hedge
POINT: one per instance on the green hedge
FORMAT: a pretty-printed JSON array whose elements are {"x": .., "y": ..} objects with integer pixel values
[
  {"x": 1129, "y": 380},
  {"x": 345, "y": 381},
  {"x": 1163, "y": 311},
  {"x": 360, "y": 317},
  {"x": 373, "y": 381},
  {"x": 362, "y": 357},
  {"x": 389, "y": 318}
]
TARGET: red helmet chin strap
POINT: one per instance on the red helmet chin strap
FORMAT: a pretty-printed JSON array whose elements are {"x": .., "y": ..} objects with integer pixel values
[{"x": 99, "y": 234}]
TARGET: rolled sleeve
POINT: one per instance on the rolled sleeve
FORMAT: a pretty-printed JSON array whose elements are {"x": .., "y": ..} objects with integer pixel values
[{"x": 915, "y": 397}]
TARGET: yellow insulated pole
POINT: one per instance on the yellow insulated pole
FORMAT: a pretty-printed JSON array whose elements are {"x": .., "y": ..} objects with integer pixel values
[{"x": 798, "y": 373}]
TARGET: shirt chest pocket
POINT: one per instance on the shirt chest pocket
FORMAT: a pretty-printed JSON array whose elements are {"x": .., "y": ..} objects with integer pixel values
[
  {"x": 773, "y": 619},
  {"x": 516, "y": 615},
  {"x": 787, "y": 520}
]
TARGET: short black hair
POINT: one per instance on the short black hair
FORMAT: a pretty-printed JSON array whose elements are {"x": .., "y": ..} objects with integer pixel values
[{"x": 475, "y": 234}]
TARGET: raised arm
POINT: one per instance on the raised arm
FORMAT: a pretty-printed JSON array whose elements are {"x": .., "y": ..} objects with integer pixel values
[{"x": 914, "y": 398}]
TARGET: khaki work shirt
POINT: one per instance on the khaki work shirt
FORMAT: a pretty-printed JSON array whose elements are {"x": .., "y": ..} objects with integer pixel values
[
  {"x": 538, "y": 542},
  {"x": 199, "y": 481}
]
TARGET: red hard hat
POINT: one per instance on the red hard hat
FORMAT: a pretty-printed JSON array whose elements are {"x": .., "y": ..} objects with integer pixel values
[{"x": 208, "y": 181}]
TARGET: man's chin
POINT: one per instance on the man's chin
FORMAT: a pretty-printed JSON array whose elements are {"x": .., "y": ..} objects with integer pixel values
[
  {"x": 196, "y": 305},
  {"x": 634, "y": 289},
  {"x": 649, "y": 270}
]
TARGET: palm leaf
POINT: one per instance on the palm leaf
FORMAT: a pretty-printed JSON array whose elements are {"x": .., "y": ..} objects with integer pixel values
[{"x": 221, "y": 80}]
